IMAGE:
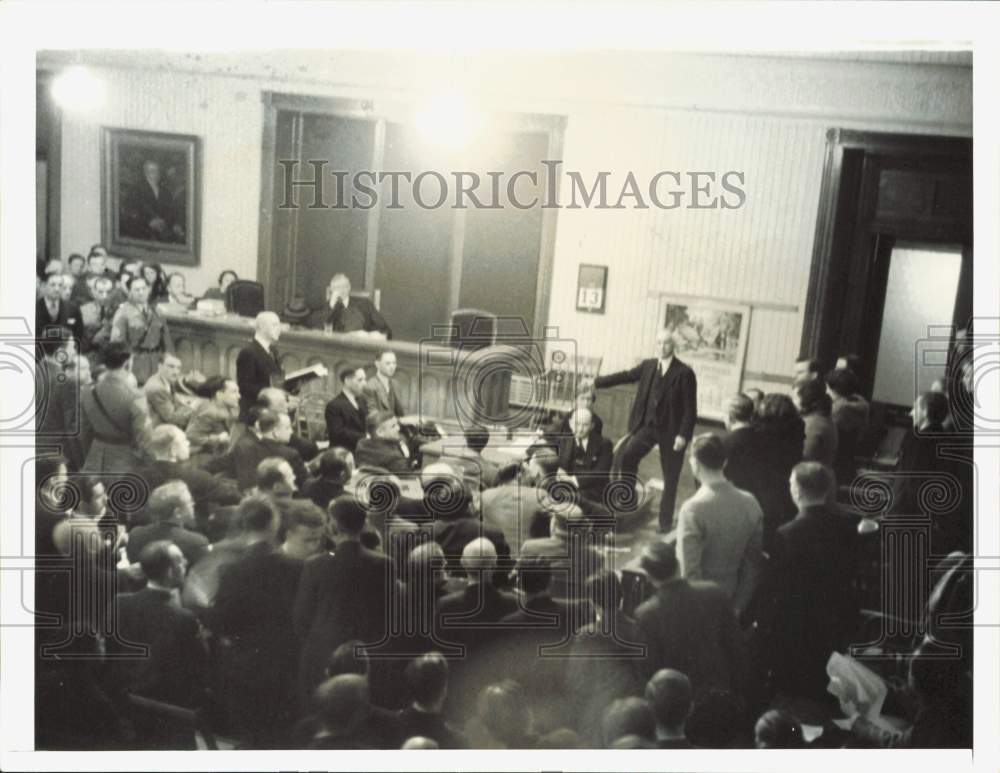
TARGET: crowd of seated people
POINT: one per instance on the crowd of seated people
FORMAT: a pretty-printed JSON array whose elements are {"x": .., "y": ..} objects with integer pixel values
[{"x": 360, "y": 598}]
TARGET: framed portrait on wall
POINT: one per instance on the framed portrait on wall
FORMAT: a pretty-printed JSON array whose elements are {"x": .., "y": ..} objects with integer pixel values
[
  {"x": 712, "y": 338},
  {"x": 591, "y": 288},
  {"x": 151, "y": 195}
]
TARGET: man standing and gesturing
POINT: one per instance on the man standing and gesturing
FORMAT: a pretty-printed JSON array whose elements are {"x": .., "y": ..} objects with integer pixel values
[{"x": 664, "y": 413}]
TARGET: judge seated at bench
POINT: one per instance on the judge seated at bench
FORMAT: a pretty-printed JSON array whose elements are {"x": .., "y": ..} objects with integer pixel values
[{"x": 347, "y": 314}]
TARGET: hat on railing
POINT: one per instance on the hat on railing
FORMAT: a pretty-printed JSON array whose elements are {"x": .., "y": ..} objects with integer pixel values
[{"x": 296, "y": 311}]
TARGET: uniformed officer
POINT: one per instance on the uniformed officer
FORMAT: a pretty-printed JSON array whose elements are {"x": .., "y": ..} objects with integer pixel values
[
  {"x": 114, "y": 418},
  {"x": 141, "y": 328}
]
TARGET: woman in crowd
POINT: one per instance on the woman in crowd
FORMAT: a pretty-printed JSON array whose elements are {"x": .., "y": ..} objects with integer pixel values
[
  {"x": 154, "y": 275},
  {"x": 815, "y": 406},
  {"x": 226, "y": 278},
  {"x": 850, "y": 415}
]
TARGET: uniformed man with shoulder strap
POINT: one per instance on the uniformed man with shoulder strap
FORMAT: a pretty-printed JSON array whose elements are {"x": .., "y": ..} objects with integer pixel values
[
  {"x": 114, "y": 418},
  {"x": 142, "y": 329}
]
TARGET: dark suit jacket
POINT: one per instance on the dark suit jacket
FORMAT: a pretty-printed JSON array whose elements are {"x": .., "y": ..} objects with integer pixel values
[
  {"x": 477, "y": 604},
  {"x": 322, "y": 491},
  {"x": 677, "y": 405},
  {"x": 207, "y": 490},
  {"x": 255, "y": 370},
  {"x": 381, "y": 452},
  {"x": 340, "y": 597},
  {"x": 382, "y": 399},
  {"x": 453, "y": 535},
  {"x": 594, "y": 465},
  {"x": 740, "y": 447},
  {"x": 814, "y": 558},
  {"x": 253, "y": 611},
  {"x": 192, "y": 544},
  {"x": 240, "y": 462},
  {"x": 68, "y": 320},
  {"x": 361, "y": 314},
  {"x": 690, "y": 626},
  {"x": 345, "y": 426},
  {"x": 177, "y": 666}
]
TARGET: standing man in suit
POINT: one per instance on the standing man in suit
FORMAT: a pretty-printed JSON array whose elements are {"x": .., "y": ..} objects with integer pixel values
[
  {"x": 55, "y": 318},
  {"x": 689, "y": 626},
  {"x": 347, "y": 413},
  {"x": 257, "y": 364},
  {"x": 664, "y": 414},
  {"x": 586, "y": 454},
  {"x": 380, "y": 391},
  {"x": 176, "y": 669},
  {"x": 340, "y": 597},
  {"x": 352, "y": 315},
  {"x": 813, "y": 558}
]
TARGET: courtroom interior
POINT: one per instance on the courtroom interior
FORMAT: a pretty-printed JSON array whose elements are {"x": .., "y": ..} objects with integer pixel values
[{"x": 616, "y": 400}]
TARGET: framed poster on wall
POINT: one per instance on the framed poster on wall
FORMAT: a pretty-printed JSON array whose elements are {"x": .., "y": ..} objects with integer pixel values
[
  {"x": 591, "y": 288},
  {"x": 712, "y": 338}
]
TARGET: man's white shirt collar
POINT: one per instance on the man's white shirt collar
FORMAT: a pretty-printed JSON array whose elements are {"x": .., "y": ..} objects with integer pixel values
[{"x": 665, "y": 364}]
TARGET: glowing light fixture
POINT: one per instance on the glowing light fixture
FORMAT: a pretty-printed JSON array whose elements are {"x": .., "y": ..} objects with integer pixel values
[
  {"x": 78, "y": 89},
  {"x": 448, "y": 120}
]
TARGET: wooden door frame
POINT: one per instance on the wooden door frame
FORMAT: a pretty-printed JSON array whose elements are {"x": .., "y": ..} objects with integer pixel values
[
  {"x": 846, "y": 217},
  {"x": 273, "y": 277}
]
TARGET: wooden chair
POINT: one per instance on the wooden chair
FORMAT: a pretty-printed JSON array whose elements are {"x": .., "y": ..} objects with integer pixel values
[
  {"x": 245, "y": 297},
  {"x": 310, "y": 418}
]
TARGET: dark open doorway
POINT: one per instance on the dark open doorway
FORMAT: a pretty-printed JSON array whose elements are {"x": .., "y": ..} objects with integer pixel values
[{"x": 892, "y": 259}]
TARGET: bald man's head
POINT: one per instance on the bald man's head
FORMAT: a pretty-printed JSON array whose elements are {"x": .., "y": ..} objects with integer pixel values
[
  {"x": 268, "y": 326},
  {"x": 479, "y": 555}
]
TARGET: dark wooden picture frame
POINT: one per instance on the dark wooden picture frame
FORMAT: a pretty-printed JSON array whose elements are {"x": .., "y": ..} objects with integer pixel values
[
  {"x": 151, "y": 195},
  {"x": 591, "y": 278}
]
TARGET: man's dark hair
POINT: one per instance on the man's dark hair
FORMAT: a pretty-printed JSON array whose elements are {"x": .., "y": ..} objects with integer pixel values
[
  {"x": 426, "y": 677},
  {"x": 267, "y": 420},
  {"x": 348, "y": 514},
  {"x": 813, "y": 397},
  {"x": 501, "y": 710},
  {"x": 224, "y": 272},
  {"x": 779, "y": 730},
  {"x": 212, "y": 386},
  {"x": 115, "y": 354},
  {"x": 256, "y": 513},
  {"x": 382, "y": 353},
  {"x": 270, "y": 473},
  {"x": 534, "y": 574},
  {"x": 155, "y": 560},
  {"x": 709, "y": 450},
  {"x": 669, "y": 693},
  {"x": 740, "y": 408},
  {"x": 75, "y": 256},
  {"x": 508, "y": 472},
  {"x": 659, "y": 561},
  {"x": 604, "y": 590},
  {"x": 346, "y": 373},
  {"x": 132, "y": 279},
  {"x": 332, "y": 467},
  {"x": 477, "y": 438},
  {"x": 935, "y": 405},
  {"x": 342, "y": 700},
  {"x": 349, "y": 658},
  {"x": 628, "y": 716},
  {"x": 843, "y": 381},
  {"x": 814, "y": 479},
  {"x": 303, "y": 512}
]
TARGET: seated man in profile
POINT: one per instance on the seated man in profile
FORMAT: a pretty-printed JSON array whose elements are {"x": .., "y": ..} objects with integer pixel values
[
  {"x": 352, "y": 315},
  {"x": 384, "y": 448}
]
